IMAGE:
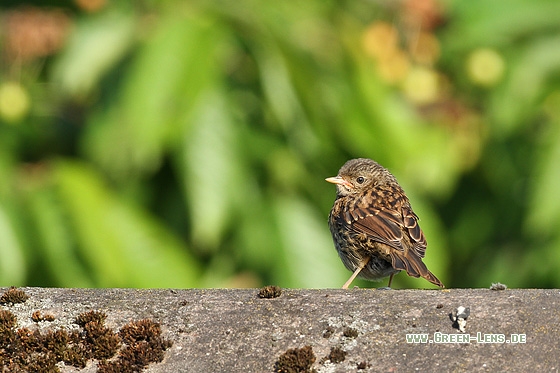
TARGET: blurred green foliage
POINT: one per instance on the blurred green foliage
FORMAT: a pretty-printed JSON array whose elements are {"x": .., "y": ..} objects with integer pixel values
[{"x": 185, "y": 144}]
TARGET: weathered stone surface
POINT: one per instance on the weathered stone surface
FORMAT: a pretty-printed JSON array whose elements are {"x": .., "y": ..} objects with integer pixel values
[{"x": 218, "y": 330}]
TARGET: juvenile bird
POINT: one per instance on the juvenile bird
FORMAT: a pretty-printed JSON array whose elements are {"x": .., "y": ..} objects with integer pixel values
[{"x": 374, "y": 229}]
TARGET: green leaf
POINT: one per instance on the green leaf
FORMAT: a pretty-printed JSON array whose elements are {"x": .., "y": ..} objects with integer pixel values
[
  {"x": 159, "y": 91},
  {"x": 543, "y": 217},
  {"x": 12, "y": 261},
  {"x": 531, "y": 70},
  {"x": 56, "y": 241},
  {"x": 95, "y": 46},
  {"x": 124, "y": 246},
  {"x": 497, "y": 23},
  {"x": 309, "y": 256},
  {"x": 210, "y": 168}
]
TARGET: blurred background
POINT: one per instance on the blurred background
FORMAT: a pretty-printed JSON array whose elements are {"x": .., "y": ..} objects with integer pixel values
[{"x": 185, "y": 143}]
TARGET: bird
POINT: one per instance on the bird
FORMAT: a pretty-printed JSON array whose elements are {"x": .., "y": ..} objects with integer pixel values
[{"x": 374, "y": 229}]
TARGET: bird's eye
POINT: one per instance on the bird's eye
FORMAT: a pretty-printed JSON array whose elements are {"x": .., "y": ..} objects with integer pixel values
[{"x": 360, "y": 180}]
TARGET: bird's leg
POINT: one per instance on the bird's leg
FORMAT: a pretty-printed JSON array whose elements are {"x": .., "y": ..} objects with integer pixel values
[
  {"x": 390, "y": 280},
  {"x": 388, "y": 287},
  {"x": 362, "y": 265}
]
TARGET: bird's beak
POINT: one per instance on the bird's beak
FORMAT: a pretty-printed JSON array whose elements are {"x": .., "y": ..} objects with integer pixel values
[{"x": 339, "y": 181}]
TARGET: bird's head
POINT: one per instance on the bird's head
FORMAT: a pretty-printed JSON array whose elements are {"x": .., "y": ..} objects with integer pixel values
[{"x": 359, "y": 175}]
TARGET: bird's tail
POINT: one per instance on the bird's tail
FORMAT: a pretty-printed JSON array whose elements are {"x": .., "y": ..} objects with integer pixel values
[{"x": 414, "y": 266}]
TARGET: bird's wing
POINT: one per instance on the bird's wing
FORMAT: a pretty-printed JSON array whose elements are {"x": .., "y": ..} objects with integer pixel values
[
  {"x": 380, "y": 225},
  {"x": 410, "y": 223},
  {"x": 389, "y": 227}
]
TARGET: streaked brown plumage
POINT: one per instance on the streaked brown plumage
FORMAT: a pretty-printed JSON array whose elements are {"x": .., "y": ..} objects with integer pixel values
[{"x": 374, "y": 229}]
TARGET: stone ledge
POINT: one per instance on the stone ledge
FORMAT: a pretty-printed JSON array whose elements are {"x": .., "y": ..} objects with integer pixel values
[{"x": 233, "y": 330}]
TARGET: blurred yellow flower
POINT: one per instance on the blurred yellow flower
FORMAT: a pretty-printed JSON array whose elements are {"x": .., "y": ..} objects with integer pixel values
[
  {"x": 485, "y": 67},
  {"x": 14, "y": 102},
  {"x": 421, "y": 86}
]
